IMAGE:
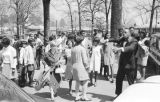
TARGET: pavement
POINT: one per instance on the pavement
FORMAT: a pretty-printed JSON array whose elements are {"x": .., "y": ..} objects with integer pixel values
[{"x": 103, "y": 92}]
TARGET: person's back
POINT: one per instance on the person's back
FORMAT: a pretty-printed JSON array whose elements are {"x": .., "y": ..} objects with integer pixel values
[{"x": 76, "y": 51}]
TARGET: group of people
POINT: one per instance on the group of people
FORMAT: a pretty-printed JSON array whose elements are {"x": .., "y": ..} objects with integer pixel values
[{"x": 84, "y": 58}]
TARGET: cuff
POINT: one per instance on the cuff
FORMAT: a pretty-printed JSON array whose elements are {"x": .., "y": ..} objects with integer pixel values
[{"x": 122, "y": 49}]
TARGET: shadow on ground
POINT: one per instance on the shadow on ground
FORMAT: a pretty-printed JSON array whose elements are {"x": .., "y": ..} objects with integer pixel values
[
  {"x": 102, "y": 98},
  {"x": 62, "y": 92}
]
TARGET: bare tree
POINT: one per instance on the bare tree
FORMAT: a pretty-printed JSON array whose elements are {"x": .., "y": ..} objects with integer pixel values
[
  {"x": 91, "y": 8},
  {"x": 70, "y": 13},
  {"x": 23, "y": 9},
  {"x": 107, "y": 4},
  {"x": 116, "y": 17},
  {"x": 80, "y": 4},
  {"x": 46, "y": 10}
]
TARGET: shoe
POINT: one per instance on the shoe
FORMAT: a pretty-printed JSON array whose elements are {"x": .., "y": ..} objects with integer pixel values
[
  {"x": 90, "y": 84},
  {"x": 86, "y": 99},
  {"x": 77, "y": 99},
  {"x": 95, "y": 84}
]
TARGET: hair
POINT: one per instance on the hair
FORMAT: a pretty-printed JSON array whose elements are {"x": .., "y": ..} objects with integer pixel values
[
  {"x": 79, "y": 39},
  {"x": 131, "y": 28},
  {"x": 52, "y": 37},
  {"x": 143, "y": 34},
  {"x": 6, "y": 41},
  {"x": 96, "y": 40},
  {"x": 68, "y": 42},
  {"x": 147, "y": 43},
  {"x": 30, "y": 41}
]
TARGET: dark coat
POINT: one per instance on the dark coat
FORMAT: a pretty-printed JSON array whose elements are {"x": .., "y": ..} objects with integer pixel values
[{"x": 127, "y": 58}]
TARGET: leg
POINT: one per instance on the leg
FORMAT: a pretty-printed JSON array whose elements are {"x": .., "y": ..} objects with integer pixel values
[
  {"x": 91, "y": 77},
  {"x": 112, "y": 73},
  {"x": 84, "y": 90},
  {"x": 77, "y": 90},
  {"x": 95, "y": 78},
  {"x": 52, "y": 92},
  {"x": 130, "y": 76},
  {"x": 143, "y": 72},
  {"x": 119, "y": 80},
  {"x": 70, "y": 85}
]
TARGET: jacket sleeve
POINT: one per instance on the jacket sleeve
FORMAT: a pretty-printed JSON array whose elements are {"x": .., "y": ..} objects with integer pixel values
[
  {"x": 13, "y": 58},
  {"x": 116, "y": 40},
  {"x": 132, "y": 47}
]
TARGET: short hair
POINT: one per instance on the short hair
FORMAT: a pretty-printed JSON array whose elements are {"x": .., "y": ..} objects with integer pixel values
[
  {"x": 147, "y": 43},
  {"x": 79, "y": 39},
  {"x": 52, "y": 38},
  {"x": 143, "y": 34},
  {"x": 30, "y": 40},
  {"x": 131, "y": 28},
  {"x": 96, "y": 40},
  {"x": 6, "y": 41}
]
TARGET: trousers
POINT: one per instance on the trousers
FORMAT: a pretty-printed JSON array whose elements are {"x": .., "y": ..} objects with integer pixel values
[{"x": 122, "y": 72}]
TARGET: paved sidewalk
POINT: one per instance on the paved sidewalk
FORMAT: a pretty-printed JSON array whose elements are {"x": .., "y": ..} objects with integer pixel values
[{"x": 104, "y": 92}]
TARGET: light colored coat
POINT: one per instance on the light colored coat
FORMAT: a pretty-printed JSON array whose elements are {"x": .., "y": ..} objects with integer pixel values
[
  {"x": 29, "y": 55},
  {"x": 9, "y": 62},
  {"x": 79, "y": 63},
  {"x": 95, "y": 62}
]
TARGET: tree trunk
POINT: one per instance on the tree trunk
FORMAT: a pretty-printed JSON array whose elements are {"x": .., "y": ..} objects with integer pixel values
[
  {"x": 17, "y": 22},
  {"x": 151, "y": 19},
  {"x": 116, "y": 17},
  {"x": 79, "y": 14},
  {"x": 46, "y": 10},
  {"x": 70, "y": 12},
  {"x": 92, "y": 21},
  {"x": 107, "y": 9}
]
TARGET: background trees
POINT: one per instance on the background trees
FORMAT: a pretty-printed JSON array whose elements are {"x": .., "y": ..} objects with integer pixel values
[{"x": 23, "y": 10}]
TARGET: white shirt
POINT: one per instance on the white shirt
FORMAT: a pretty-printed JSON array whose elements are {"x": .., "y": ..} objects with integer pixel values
[
  {"x": 29, "y": 55},
  {"x": 38, "y": 42},
  {"x": 22, "y": 55},
  {"x": 9, "y": 56}
]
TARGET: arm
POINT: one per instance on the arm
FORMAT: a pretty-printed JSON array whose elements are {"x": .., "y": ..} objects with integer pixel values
[
  {"x": 132, "y": 47},
  {"x": 117, "y": 40}
]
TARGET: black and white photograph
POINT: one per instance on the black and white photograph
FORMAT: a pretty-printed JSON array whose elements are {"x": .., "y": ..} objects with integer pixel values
[{"x": 79, "y": 50}]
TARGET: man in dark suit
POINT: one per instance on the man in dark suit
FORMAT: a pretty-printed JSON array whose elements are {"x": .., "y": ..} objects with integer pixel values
[{"x": 127, "y": 62}]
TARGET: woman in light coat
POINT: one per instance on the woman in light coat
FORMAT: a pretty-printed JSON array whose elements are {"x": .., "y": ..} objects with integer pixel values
[
  {"x": 9, "y": 60},
  {"x": 80, "y": 68}
]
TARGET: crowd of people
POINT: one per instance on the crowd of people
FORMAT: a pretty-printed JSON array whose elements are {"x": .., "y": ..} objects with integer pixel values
[{"x": 85, "y": 58}]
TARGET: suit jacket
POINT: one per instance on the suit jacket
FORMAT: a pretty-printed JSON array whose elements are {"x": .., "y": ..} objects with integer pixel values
[{"x": 127, "y": 57}]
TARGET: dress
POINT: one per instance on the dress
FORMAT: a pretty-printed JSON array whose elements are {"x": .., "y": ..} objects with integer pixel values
[
  {"x": 79, "y": 63},
  {"x": 95, "y": 62},
  {"x": 68, "y": 71},
  {"x": 109, "y": 56}
]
